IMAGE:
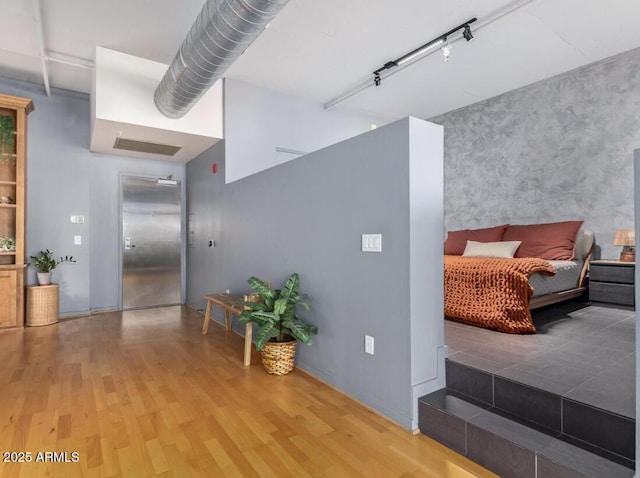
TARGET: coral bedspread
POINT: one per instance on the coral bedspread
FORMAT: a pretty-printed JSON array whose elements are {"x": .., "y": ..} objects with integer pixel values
[{"x": 490, "y": 292}]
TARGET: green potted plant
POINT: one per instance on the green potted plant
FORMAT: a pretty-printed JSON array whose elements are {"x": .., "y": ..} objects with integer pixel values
[
  {"x": 7, "y": 133},
  {"x": 7, "y": 244},
  {"x": 44, "y": 263},
  {"x": 7, "y": 148},
  {"x": 274, "y": 311}
]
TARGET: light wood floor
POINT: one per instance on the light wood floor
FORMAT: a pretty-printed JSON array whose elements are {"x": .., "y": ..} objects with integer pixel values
[{"x": 143, "y": 393}]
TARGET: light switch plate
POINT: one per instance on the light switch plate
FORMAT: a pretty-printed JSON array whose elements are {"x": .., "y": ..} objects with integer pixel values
[
  {"x": 77, "y": 240},
  {"x": 368, "y": 344},
  {"x": 372, "y": 243}
]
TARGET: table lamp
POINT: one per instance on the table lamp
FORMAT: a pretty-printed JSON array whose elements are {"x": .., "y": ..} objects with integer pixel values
[{"x": 627, "y": 239}]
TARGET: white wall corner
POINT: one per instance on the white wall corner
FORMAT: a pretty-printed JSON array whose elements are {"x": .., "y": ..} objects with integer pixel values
[{"x": 437, "y": 382}]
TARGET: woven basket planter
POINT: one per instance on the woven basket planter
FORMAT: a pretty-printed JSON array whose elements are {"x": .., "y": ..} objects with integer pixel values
[
  {"x": 42, "y": 305},
  {"x": 278, "y": 357}
]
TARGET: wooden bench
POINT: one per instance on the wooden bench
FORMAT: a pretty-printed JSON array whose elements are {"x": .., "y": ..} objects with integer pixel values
[{"x": 232, "y": 304}]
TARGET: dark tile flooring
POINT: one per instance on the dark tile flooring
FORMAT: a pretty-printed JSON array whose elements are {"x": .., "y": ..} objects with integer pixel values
[{"x": 582, "y": 352}]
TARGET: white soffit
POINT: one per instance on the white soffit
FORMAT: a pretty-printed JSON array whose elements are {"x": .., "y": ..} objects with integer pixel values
[{"x": 122, "y": 106}]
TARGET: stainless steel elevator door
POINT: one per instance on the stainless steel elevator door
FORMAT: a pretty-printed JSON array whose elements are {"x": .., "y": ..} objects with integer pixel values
[{"x": 151, "y": 243}]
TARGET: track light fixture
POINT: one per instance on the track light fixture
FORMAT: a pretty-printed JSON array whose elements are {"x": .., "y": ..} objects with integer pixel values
[
  {"x": 467, "y": 33},
  {"x": 378, "y": 76},
  {"x": 436, "y": 42},
  {"x": 446, "y": 51}
]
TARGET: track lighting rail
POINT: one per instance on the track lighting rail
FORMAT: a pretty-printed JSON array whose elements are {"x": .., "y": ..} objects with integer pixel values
[{"x": 436, "y": 42}]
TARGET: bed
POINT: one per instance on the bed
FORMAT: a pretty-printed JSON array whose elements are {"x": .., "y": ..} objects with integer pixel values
[{"x": 547, "y": 264}]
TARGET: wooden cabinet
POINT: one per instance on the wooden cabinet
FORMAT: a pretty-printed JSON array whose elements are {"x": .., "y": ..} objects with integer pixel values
[
  {"x": 612, "y": 282},
  {"x": 9, "y": 292},
  {"x": 13, "y": 162}
]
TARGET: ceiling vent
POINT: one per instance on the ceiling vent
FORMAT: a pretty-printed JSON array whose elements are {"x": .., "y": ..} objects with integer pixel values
[
  {"x": 146, "y": 147},
  {"x": 126, "y": 122}
]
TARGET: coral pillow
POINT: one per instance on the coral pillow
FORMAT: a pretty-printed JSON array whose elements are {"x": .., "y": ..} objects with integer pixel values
[
  {"x": 550, "y": 241},
  {"x": 457, "y": 240}
]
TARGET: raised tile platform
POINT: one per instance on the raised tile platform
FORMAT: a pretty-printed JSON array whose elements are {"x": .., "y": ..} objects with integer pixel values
[
  {"x": 505, "y": 445},
  {"x": 600, "y": 431},
  {"x": 557, "y": 404},
  {"x": 581, "y": 352}
]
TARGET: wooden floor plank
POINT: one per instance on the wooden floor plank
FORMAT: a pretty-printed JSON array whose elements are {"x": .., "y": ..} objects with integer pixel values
[{"x": 144, "y": 393}]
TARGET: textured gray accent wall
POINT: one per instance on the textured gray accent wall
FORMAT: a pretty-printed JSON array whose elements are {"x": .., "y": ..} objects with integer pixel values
[
  {"x": 559, "y": 149},
  {"x": 64, "y": 178},
  {"x": 307, "y": 216}
]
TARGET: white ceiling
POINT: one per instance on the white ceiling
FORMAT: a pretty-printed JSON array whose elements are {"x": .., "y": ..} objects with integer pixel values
[{"x": 320, "y": 49}]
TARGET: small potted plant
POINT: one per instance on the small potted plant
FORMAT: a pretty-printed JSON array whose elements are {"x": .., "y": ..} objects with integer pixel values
[
  {"x": 7, "y": 148},
  {"x": 7, "y": 133},
  {"x": 44, "y": 263},
  {"x": 7, "y": 244},
  {"x": 280, "y": 326}
]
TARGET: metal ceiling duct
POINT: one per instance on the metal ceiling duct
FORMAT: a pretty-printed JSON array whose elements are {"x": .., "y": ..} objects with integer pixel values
[{"x": 222, "y": 31}]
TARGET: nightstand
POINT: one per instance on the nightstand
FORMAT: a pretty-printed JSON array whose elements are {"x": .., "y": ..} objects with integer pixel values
[{"x": 612, "y": 282}]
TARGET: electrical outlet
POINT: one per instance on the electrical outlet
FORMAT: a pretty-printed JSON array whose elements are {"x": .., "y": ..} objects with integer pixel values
[{"x": 368, "y": 344}]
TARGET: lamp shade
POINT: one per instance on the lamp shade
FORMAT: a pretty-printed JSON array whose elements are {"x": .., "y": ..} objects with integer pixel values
[{"x": 625, "y": 237}]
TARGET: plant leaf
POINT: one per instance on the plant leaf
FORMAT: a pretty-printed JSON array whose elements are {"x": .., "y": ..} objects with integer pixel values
[
  {"x": 246, "y": 317},
  {"x": 267, "y": 332},
  {"x": 299, "y": 330},
  {"x": 255, "y": 305},
  {"x": 261, "y": 288},
  {"x": 266, "y": 315},
  {"x": 290, "y": 290},
  {"x": 305, "y": 306},
  {"x": 280, "y": 306}
]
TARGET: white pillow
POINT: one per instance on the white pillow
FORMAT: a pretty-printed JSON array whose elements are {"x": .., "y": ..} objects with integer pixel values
[
  {"x": 505, "y": 249},
  {"x": 584, "y": 241}
]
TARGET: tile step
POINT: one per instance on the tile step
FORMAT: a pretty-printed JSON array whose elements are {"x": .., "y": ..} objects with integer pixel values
[
  {"x": 506, "y": 445},
  {"x": 600, "y": 431}
]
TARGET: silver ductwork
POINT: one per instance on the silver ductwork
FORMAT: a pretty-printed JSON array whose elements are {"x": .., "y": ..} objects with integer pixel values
[{"x": 223, "y": 30}]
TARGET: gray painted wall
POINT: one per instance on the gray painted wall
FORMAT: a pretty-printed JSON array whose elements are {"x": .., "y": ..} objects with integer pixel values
[
  {"x": 307, "y": 216},
  {"x": 63, "y": 179},
  {"x": 556, "y": 150}
]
